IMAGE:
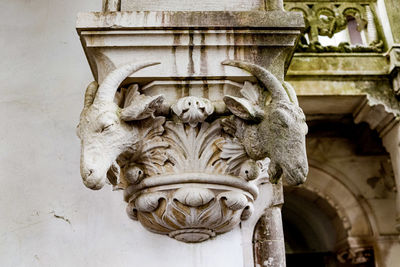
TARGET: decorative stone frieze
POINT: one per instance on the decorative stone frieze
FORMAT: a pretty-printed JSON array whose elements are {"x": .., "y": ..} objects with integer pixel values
[{"x": 328, "y": 18}]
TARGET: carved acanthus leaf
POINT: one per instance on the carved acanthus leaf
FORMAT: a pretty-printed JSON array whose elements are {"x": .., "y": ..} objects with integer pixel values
[
  {"x": 138, "y": 106},
  {"x": 191, "y": 214},
  {"x": 248, "y": 107},
  {"x": 233, "y": 151},
  {"x": 194, "y": 197},
  {"x": 193, "y": 148}
]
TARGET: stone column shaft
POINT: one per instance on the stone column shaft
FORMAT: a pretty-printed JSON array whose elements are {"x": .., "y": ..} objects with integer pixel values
[{"x": 269, "y": 244}]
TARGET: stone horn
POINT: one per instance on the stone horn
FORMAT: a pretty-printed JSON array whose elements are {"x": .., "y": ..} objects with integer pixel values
[
  {"x": 271, "y": 83},
  {"x": 90, "y": 94},
  {"x": 106, "y": 91}
]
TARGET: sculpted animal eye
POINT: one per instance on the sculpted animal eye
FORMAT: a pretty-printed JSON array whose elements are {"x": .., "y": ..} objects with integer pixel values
[{"x": 106, "y": 127}]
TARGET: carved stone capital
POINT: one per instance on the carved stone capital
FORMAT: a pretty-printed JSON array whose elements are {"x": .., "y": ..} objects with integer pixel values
[
  {"x": 191, "y": 174},
  {"x": 191, "y": 141}
]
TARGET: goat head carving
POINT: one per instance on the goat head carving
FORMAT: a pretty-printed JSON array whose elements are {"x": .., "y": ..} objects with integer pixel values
[
  {"x": 276, "y": 130},
  {"x": 105, "y": 129}
]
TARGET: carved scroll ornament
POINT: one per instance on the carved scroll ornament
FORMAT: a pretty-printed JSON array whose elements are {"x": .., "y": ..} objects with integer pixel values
[{"x": 191, "y": 174}]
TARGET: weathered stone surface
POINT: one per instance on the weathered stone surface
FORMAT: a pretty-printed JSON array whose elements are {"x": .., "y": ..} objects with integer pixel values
[
  {"x": 182, "y": 175},
  {"x": 269, "y": 245},
  {"x": 192, "y": 5},
  {"x": 185, "y": 19},
  {"x": 329, "y": 19}
]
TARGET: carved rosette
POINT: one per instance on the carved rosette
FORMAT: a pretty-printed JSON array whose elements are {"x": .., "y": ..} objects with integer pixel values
[{"x": 189, "y": 173}]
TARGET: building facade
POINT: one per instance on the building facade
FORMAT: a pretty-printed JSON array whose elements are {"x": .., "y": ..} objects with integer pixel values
[{"x": 342, "y": 60}]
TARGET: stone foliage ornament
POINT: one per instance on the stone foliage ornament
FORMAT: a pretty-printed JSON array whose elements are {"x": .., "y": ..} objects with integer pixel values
[
  {"x": 193, "y": 109},
  {"x": 191, "y": 174},
  {"x": 327, "y": 19}
]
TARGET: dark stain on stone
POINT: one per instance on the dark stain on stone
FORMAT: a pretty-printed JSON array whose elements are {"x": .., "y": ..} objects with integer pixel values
[
  {"x": 235, "y": 47},
  {"x": 186, "y": 88},
  {"x": 119, "y": 5},
  {"x": 176, "y": 43},
  {"x": 203, "y": 55},
  {"x": 145, "y": 16},
  {"x": 205, "y": 88},
  {"x": 372, "y": 182},
  {"x": 60, "y": 217},
  {"x": 179, "y": 90},
  {"x": 162, "y": 18},
  {"x": 228, "y": 43},
  {"x": 191, "y": 46}
]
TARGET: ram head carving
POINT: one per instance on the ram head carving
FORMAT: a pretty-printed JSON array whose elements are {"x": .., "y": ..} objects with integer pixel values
[
  {"x": 274, "y": 129},
  {"x": 105, "y": 129}
]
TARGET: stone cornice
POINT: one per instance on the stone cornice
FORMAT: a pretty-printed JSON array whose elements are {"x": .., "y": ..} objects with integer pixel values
[{"x": 277, "y": 20}]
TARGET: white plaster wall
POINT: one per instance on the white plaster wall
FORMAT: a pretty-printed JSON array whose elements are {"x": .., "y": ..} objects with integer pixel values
[{"x": 43, "y": 74}]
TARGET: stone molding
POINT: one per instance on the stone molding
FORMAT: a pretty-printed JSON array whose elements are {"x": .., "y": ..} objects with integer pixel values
[{"x": 190, "y": 5}]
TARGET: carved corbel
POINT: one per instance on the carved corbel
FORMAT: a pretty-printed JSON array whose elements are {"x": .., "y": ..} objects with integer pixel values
[{"x": 191, "y": 174}]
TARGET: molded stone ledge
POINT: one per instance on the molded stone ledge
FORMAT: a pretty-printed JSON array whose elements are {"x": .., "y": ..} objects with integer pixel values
[
  {"x": 335, "y": 64},
  {"x": 194, "y": 19},
  {"x": 187, "y": 53},
  {"x": 191, "y": 5},
  {"x": 195, "y": 38}
]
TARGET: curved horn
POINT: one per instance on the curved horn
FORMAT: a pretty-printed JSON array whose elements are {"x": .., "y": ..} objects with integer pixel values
[
  {"x": 266, "y": 78},
  {"x": 111, "y": 83},
  {"x": 90, "y": 94},
  {"x": 291, "y": 93}
]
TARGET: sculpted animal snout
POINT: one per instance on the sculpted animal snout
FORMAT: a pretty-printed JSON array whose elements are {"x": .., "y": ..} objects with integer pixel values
[
  {"x": 297, "y": 174},
  {"x": 91, "y": 178}
]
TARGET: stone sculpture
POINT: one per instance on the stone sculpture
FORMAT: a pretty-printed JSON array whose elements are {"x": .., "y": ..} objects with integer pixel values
[
  {"x": 191, "y": 174},
  {"x": 104, "y": 127},
  {"x": 276, "y": 130}
]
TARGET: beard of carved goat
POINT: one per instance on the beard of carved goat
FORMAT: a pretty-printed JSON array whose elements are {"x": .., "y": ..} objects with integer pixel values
[
  {"x": 275, "y": 130},
  {"x": 105, "y": 129}
]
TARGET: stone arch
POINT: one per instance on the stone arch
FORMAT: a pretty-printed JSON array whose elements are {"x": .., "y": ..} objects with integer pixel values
[
  {"x": 338, "y": 221},
  {"x": 334, "y": 223}
]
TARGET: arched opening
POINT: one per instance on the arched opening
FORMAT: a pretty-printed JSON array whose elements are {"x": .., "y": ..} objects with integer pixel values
[
  {"x": 311, "y": 229},
  {"x": 314, "y": 232}
]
